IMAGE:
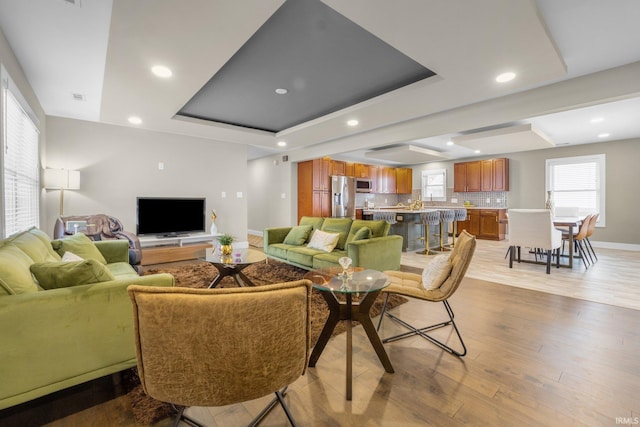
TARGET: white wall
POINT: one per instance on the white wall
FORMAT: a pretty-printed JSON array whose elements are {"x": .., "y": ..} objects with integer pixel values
[
  {"x": 117, "y": 164},
  {"x": 269, "y": 180}
]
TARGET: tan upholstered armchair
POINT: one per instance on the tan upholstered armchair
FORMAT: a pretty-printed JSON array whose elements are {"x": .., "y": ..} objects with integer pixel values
[
  {"x": 215, "y": 347},
  {"x": 100, "y": 227}
]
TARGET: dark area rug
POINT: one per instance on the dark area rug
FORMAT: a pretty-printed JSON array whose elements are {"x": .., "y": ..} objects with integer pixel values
[{"x": 199, "y": 275}]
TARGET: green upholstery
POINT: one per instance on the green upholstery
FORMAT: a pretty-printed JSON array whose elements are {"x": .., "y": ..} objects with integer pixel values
[
  {"x": 58, "y": 338},
  {"x": 298, "y": 235},
  {"x": 59, "y": 274},
  {"x": 80, "y": 245},
  {"x": 340, "y": 226},
  {"x": 366, "y": 242}
]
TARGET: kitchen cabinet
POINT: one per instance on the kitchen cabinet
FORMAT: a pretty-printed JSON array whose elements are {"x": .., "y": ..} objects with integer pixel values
[
  {"x": 314, "y": 194},
  {"x": 350, "y": 170},
  {"x": 388, "y": 180},
  {"x": 374, "y": 172},
  {"x": 466, "y": 177},
  {"x": 361, "y": 170},
  {"x": 485, "y": 223},
  {"x": 481, "y": 175},
  {"x": 404, "y": 180},
  {"x": 359, "y": 213},
  {"x": 338, "y": 168}
]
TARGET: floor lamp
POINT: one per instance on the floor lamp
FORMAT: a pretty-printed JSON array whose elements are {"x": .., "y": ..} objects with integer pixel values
[{"x": 61, "y": 179}]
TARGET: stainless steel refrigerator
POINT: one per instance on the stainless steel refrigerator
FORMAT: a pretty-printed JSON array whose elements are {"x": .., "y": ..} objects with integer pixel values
[{"x": 343, "y": 197}]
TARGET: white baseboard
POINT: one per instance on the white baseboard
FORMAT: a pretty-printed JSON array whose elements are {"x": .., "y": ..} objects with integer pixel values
[
  {"x": 255, "y": 233},
  {"x": 614, "y": 245}
]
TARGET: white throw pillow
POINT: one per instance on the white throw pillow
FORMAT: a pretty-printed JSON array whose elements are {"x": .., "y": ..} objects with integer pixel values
[
  {"x": 70, "y": 256},
  {"x": 323, "y": 240},
  {"x": 436, "y": 272}
]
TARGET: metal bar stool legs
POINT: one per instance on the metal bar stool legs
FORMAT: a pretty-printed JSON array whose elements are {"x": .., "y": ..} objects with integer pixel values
[
  {"x": 427, "y": 219},
  {"x": 446, "y": 216}
]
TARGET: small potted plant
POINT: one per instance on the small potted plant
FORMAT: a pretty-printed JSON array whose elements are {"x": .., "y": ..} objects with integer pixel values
[{"x": 225, "y": 244}]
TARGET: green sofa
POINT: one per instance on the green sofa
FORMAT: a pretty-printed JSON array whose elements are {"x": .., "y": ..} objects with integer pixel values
[
  {"x": 366, "y": 242},
  {"x": 64, "y": 322}
]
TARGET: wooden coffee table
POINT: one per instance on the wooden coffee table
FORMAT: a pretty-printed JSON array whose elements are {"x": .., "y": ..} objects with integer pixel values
[{"x": 232, "y": 265}]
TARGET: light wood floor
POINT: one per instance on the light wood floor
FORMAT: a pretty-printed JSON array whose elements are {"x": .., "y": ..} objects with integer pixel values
[{"x": 535, "y": 358}]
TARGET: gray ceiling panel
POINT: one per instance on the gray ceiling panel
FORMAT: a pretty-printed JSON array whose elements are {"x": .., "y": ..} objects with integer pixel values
[{"x": 324, "y": 60}]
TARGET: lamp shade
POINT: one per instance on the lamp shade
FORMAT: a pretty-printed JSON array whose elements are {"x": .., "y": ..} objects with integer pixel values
[{"x": 62, "y": 179}]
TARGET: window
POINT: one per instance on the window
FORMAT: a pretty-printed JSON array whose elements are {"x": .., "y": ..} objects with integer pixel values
[
  {"x": 578, "y": 182},
  {"x": 434, "y": 185},
  {"x": 20, "y": 166}
]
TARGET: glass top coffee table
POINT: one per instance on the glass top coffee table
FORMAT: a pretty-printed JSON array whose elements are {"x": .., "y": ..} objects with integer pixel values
[
  {"x": 366, "y": 285},
  {"x": 232, "y": 265}
]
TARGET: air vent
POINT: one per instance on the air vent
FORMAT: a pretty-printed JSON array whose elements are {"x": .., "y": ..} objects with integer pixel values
[
  {"x": 78, "y": 96},
  {"x": 73, "y": 2}
]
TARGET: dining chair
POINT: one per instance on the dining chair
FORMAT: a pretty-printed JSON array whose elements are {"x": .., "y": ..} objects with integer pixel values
[
  {"x": 443, "y": 285},
  {"x": 533, "y": 228},
  {"x": 579, "y": 240},
  {"x": 590, "y": 230},
  {"x": 215, "y": 347}
]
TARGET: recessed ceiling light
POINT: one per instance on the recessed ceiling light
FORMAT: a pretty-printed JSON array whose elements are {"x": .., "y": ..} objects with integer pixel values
[
  {"x": 477, "y": 151},
  {"x": 603, "y": 135},
  {"x": 505, "y": 77},
  {"x": 352, "y": 122},
  {"x": 161, "y": 71},
  {"x": 134, "y": 120},
  {"x": 281, "y": 91},
  {"x": 449, "y": 143},
  {"x": 282, "y": 144},
  {"x": 597, "y": 120}
]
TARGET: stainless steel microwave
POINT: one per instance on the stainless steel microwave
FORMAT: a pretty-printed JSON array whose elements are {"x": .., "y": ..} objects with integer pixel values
[{"x": 363, "y": 185}]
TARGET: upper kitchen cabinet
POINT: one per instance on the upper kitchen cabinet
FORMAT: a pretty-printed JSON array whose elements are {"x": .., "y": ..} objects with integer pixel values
[
  {"x": 361, "y": 170},
  {"x": 481, "y": 175},
  {"x": 466, "y": 177},
  {"x": 404, "y": 180},
  {"x": 338, "y": 167}
]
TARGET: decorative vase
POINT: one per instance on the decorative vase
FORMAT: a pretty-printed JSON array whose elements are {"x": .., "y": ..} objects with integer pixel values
[
  {"x": 226, "y": 249},
  {"x": 214, "y": 229}
]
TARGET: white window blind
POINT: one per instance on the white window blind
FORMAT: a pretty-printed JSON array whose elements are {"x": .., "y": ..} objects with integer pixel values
[
  {"x": 578, "y": 182},
  {"x": 20, "y": 167},
  {"x": 434, "y": 184}
]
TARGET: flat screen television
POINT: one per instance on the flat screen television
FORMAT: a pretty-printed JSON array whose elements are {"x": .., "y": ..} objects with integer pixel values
[{"x": 169, "y": 216}]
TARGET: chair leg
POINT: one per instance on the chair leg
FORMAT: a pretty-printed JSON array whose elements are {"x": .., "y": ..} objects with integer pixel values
[
  {"x": 278, "y": 399},
  {"x": 423, "y": 332},
  {"x": 548, "y": 261},
  {"x": 594, "y": 252},
  {"x": 181, "y": 416},
  {"x": 384, "y": 310}
]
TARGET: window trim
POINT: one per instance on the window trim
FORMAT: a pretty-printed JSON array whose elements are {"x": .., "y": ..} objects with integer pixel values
[
  {"x": 600, "y": 161},
  {"x": 424, "y": 175}
]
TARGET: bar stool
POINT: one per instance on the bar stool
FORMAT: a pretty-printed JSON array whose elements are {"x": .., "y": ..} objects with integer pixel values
[
  {"x": 459, "y": 215},
  {"x": 446, "y": 216},
  {"x": 428, "y": 218}
]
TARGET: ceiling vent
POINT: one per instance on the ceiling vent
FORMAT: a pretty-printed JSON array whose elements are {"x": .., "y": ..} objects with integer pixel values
[
  {"x": 78, "y": 96},
  {"x": 73, "y": 2},
  {"x": 505, "y": 140}
]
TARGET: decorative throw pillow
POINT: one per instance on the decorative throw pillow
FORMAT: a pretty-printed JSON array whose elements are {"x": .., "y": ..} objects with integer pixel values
[
  {"x": 436, "y": 272},
  {"x": 362, "y": 234},
  {"x": 298, "y": 235},
  {"x": 52, "y": 275},
  {"x": 323, "y": 240},
  {"x": 80, "y": 245},
  {"x": 70, "y": 256}
]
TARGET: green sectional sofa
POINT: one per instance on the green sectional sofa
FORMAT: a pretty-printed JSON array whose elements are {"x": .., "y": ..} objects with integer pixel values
[
  {"x": 64, "y": 322},
  {"x": 366, "y": 242}
]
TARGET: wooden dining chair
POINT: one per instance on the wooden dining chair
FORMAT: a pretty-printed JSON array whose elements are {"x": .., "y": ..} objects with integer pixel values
[
  {"x": 579, "y": 243},
  {"x": 590, "y": 230}
]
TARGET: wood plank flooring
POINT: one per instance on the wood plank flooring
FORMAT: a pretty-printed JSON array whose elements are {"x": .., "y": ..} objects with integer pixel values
[{"x": 535, "y": 358}]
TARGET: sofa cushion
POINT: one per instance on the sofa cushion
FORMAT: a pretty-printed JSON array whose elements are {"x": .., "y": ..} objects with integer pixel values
[
  {"x": 279, "y": 250},
  {"x": 38, "y": 249},
  {"x": 340, "y": 226},
  {"x": 314, "y": 221},
  {"x": 379, "y": 228},
  {"x": 80, "y": 245},
  {"x": 358, "y": 232},
  {"x": 323, "y": 240},
  {"x": 62, "y": 274},
  {"x": 122, "y": 270},
  {"x": 302, "y": 255},
  {"x": 326, "y": 260},
  {"x": 15, "y": 276},
  {"x": 298, "y": 235}
]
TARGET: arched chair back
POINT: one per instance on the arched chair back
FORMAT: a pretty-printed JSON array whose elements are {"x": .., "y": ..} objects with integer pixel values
[{"x": 215, "y": 347}]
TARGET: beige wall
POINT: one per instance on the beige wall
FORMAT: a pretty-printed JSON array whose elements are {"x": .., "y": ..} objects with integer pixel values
[
  {"x": 527, "y": 183},
  {"x": 117, "y": 164}
]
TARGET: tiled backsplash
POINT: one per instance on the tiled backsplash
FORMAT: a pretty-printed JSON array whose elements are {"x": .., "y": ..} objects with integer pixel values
[{"x": 488, "y": 199}]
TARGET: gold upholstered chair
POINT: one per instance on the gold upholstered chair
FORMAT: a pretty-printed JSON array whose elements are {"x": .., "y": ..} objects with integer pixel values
[
  {"x": 215, "y": 347},
  {"x": 444, "y": 281}
]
